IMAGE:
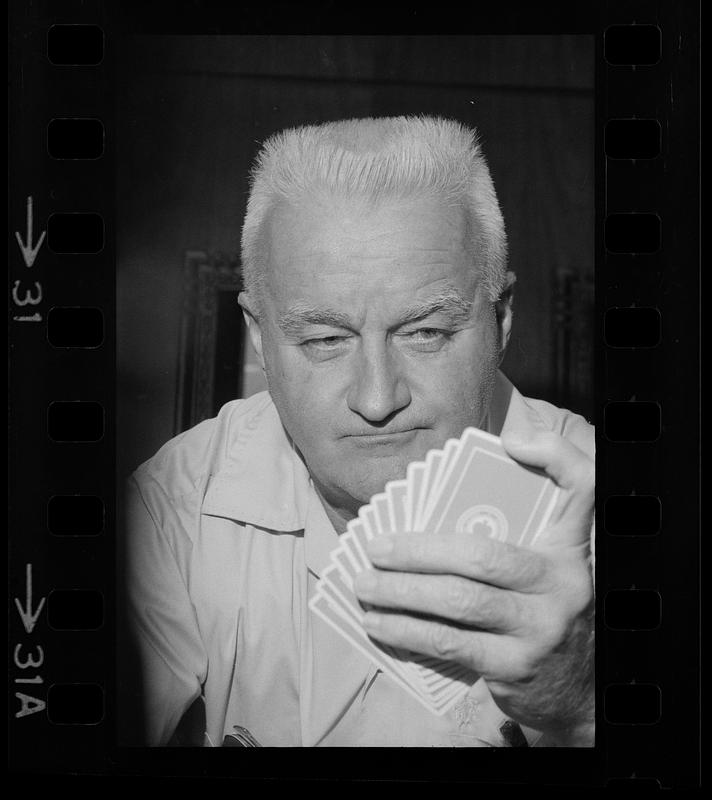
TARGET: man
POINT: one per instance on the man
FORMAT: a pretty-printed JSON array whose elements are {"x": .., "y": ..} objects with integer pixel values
[{"x": 378, "y": 301}]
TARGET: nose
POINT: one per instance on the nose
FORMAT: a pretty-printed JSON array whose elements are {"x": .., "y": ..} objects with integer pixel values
[{"x": 378, "y": 389}]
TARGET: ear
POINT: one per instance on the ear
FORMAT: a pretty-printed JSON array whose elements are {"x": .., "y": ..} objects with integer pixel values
[
  {"x": 249, "y": 313},
  {"x": 503, "y": 309}
]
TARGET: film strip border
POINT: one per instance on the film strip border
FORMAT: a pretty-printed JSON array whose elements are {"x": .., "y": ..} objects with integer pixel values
[
  {"x": 62, "y": 408},
  {"x": 62, "y": 437},
  {"x": 649, "y": 426}
]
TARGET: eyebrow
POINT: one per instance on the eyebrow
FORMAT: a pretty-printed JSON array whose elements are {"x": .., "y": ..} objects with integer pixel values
[
  {"x": 447, "y": 301},
  {"x": 295, "y": 318}
]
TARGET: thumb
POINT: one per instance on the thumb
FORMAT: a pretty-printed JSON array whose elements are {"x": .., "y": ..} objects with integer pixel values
[{"x": 572, "y": 470}]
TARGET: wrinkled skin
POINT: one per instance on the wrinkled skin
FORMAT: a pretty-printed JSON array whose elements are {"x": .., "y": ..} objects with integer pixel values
[
  {"x": 363, "y": 398},
  {"x": 364, "y": 385}
]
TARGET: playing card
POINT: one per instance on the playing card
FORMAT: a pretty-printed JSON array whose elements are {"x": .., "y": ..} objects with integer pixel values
[
  {"x": 341, "y": 597},
  {"x": 414, "y": 479},
  {"x": 343, "y": 614},
  {"x": 470, "y": 485},
  {"x": 450, "y": 451},
  {"x": 431, "y": 464},
  {"x": 448, "y": 699},
  {"x": 379, "y": 503},
  {"x": 436, "y": 672},
  {"x": 340, "y": 622},
  {"x": 486, "y": 490},
  {"x": 370, "y": 523},
  {"x": 486, "y": 441},
  {"x": 447, "y": 686},
  {"x": 336, "y": 589},
  {"x": 396, "y": 492},
  {"x": 357, "y": 528},
  {"x": 348, "y": 569},
  {"x": 335, "y": 585},
  {"x": 354, "y": 545}
]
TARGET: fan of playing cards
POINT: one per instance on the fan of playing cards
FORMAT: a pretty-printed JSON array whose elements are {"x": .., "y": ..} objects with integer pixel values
[{"x": 470, "y": 485}]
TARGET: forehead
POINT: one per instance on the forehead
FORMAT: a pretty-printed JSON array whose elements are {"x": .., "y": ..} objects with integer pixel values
[{"x": 343, "y": 248}]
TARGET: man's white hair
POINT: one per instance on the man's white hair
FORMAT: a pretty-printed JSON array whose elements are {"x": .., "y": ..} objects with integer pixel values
[{"x": 377, "y": 160}]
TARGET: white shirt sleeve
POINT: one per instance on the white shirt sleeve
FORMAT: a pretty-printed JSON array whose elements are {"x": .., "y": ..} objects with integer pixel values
[{"x": 161, "y": 622}]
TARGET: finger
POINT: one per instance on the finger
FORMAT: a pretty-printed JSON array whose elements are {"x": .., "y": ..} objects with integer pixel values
[
  {"x": 566, "y": 464},
  {"x": 469, "y": 555},
  {"x": 488, "y": 654},
  {"x": 448, "y": 596}
]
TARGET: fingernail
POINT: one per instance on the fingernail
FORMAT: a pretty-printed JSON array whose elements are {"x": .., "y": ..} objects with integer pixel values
[
  {"x": 380, "y": 546},
  {"x": 365, "y": 581}
]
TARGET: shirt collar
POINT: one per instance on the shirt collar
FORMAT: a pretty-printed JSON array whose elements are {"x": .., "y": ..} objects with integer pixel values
[
  {"x": 509, "y": 409},
  {"x": 264, "y": 482}
]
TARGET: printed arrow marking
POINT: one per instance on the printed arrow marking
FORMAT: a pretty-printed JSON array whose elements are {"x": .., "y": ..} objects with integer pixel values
[
  {"x": 29, "y": 253},
  {"x": 29, "y": 619}
]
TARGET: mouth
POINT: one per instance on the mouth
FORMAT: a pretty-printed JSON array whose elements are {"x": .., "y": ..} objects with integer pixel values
[{"x": 391, "y": 437}]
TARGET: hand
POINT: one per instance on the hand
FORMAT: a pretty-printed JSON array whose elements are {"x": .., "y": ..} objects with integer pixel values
[{"x": 522, "y": 618}]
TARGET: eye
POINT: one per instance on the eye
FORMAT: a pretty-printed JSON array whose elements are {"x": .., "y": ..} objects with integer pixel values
[
  {"x": 427, "y": 334},
  {"x": 325, "y": 341},
  {"x": 427, "y": 339},
  {"x": 324, "y": 345}
]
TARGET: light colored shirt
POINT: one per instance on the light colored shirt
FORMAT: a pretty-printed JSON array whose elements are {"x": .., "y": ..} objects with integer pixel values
[{"x": 226, "y": 540}]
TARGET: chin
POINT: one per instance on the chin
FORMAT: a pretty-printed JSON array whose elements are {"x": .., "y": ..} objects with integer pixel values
[{"x": 376, "y": 479}]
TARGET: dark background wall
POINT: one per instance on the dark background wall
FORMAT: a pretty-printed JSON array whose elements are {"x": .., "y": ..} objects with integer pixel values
[{"x": 192, "y": 109}]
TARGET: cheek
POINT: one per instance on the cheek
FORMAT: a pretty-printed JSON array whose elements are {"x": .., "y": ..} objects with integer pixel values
[
  {"x": 284, "y": 377},
  {"x": 466, "y": 379},
  {"x": 303, "y": 396}
]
